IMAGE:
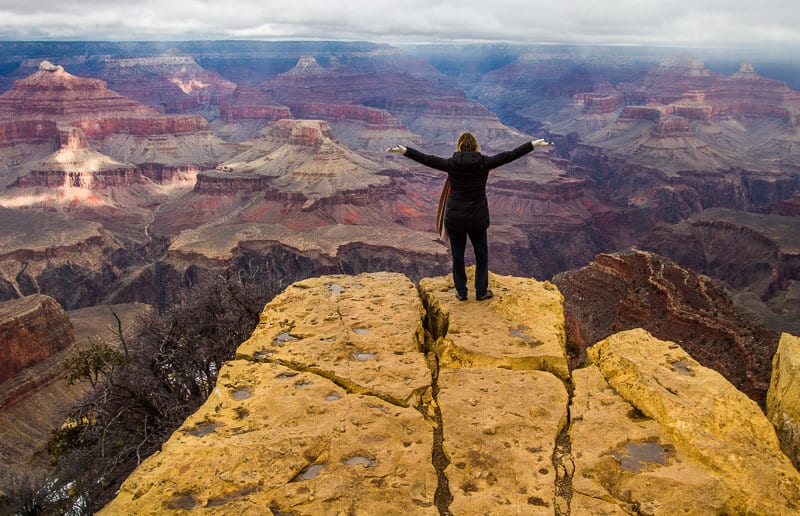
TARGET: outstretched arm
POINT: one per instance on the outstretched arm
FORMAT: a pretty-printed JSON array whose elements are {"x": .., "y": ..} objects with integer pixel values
[
  {"x": 509, "y": 156},
  {"x": 436, "y": 162}
]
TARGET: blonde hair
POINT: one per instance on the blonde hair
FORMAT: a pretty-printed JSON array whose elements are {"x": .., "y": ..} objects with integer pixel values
[{"x": 467, "y": 143}]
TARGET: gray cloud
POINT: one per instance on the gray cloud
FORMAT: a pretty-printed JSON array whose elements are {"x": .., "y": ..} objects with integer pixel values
[{"x": 770, "y": 23}]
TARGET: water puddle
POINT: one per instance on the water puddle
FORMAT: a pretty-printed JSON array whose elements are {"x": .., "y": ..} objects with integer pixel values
[
  {"x": 358, "y": 460},
  {"x": 241, "y": 394},
  {"x": 299, "y": 384},
  {"x": 202, "y": 430},
  {"x": 284, "y": 376},
  {"x": 309, "y": 472},
  {"x": 364, "y": 355},
  {"x": 283, "y": 338},
  {"x": 333, "y": 396},
  {"x": 262, "y": 354},
  {"x": 361, "y": 331},
  {"x": 334, "y": 288},
  {"x": 636, "y": 456},
  {"x": 519, "y": 332},
  {"x": 683, "y": 368}
]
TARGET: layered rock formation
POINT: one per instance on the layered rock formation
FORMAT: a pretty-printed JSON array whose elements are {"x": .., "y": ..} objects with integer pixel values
[
  {"x": 37, "y": 399},
  {"x": 358, "y": 394},
  {"x": 170, "y": 83},
  {"x": 70, "y": 260},
  {"x": 402, "y": 95},
  {"x": 680, "y": 116},
  {"x": 121, "y": 127},
  {"x": 32, "y": 329},
  {"x": 639, "y": 289},
  {"x": 764, "y": 269}
]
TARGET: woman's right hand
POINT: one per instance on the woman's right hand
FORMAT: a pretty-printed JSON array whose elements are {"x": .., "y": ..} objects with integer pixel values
[
  {"x": 540, "y": 143},
  {"x": 397, "y": 148}
]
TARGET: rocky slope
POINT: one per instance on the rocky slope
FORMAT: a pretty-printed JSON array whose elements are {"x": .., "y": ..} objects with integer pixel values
[
  {"x": 361, "y": 394},
  {"x": 171, "y": 83},
  {"x": 765, "y": 269},
  {"x": 680, "y": 116},
  {"x": 32, "y": 329},
  {"x": 73, "y": 261},
  {"x": 639, "y": 289},
  {"x": 117, "y": 125},
  {"x": 37, "y": 399}
]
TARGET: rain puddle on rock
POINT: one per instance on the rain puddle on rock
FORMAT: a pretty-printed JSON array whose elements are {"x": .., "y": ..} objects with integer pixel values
[
  {"x": 263, "y": 354},
  {"x": 309, "y": 472},
  {"x": 202, "y": 430},
  {"x": 241, "y": 394},
  {"x": 283, "y": 338},
  {"x": 334, "y": 288},
  {"x": 286, "y": 375},
  {"x": 299, "y": 384},
  {"x": 635, "y": 456},
  {"x": 519, "y": 332},
  {"x": 683, "y": 368},
  {"x": 364, "y": 355},
  {"x": 361, "y": 331},
  {"x": 333, "y": 396},
  {"x": 358, "y": 460}
]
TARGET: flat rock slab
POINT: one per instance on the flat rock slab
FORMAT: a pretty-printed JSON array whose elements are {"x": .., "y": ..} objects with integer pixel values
[
  {"x": 500, "y": 427},
  {"x": 363, "y": 332},
  {"x": 704, "y": 416},
  {"x": 521, "y": 327},
  {"x": 626, "y": 463},
  {"x": 274, "y": 440}
]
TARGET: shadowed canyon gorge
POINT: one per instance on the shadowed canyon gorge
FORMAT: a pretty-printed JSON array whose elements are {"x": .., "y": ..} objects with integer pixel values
[{"x": 669, "y": 202}]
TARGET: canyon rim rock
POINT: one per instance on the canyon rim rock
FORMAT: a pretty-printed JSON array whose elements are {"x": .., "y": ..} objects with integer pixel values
[
  {"x": 347, "y": 398},
  {"x": 713, "y": 433},
  {"x": 783, "y": 397}
]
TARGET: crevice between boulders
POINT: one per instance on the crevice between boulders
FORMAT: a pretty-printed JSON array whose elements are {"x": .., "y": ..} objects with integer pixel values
[
  {"x": 435, "y": 325},
  {"x": 352, "y": 387},
  {"x": 564, "y": 466}
]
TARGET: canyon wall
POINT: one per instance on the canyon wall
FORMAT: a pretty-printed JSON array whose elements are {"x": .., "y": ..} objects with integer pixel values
[{"x": 32, "y": 329}]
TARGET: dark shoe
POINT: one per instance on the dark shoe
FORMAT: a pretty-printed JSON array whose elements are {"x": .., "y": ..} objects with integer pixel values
[
  {"x": 461, "y": 297},
  {"x": 484, "y": 295}
]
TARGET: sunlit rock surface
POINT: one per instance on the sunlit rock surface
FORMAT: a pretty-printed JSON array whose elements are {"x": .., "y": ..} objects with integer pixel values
[
  {"x": 783, "y": 397},
  {"x": 365, "y": 395},
  {"x": 705, "y": 421}
]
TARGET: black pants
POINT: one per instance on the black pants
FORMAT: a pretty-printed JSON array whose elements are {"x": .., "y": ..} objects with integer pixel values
[{"x": 458, "y": 244}]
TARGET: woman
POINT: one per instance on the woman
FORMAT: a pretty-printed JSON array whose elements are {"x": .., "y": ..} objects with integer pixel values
[{"x": 467, "y": 212}]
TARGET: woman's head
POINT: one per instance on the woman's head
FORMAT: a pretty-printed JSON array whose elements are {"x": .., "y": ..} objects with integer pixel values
[{"x": 467, "y": 143}]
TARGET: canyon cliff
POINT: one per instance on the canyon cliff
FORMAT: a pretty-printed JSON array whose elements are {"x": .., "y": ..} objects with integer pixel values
[
  {"x": 32, "y": 329},
  {"x": 366, "y": 394},
  {"x": 639, "y": 289}
]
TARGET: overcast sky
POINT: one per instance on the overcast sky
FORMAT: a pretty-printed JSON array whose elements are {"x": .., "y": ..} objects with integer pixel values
[{"x": 727, "y": 23}]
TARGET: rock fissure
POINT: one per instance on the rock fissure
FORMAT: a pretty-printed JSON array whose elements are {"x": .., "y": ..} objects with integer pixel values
[
  {"x": 350, "y": 386},
  {"x": 564, "y": 466},
  {"x": 443, "y": 497}
]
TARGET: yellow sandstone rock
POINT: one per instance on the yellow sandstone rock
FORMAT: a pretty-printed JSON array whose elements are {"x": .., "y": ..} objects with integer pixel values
[
  {"x": 626, "y": 463},
  {"x": 705, "y": 417},
  {"x": 338, "y": 405},
  {"x": 273, "y": 439},
  {"x": 362, "y": 332},
  {"x": 521, "y": 327},
  {"x": 783, "y": 397},
  {"x": 499, "y": 430}
]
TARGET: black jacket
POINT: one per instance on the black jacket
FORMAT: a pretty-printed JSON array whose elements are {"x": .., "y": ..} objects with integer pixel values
[{"x": 467, "y": 207}]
